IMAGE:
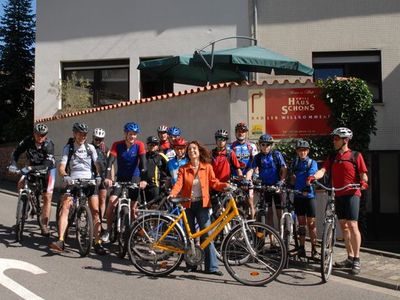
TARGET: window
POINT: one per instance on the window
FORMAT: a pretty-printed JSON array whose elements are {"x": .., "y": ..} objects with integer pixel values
[
  {"x": 154, "y": 85},
  {"x": 108, "y": 80},
  {"x": 362, "y": 64}
]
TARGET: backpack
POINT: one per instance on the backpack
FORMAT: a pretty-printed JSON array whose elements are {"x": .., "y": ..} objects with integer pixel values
[
  {"x": 71, "y": 152},
  {"x": 295, "y": 165},
  {"x": 353, "y": 159}
]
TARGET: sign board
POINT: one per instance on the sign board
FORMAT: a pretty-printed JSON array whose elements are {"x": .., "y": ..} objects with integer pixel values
[{"x": 287, "y": 113}]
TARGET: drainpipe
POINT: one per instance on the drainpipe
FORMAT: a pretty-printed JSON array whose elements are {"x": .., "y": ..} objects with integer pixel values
[{"x": 254, "y": 31}]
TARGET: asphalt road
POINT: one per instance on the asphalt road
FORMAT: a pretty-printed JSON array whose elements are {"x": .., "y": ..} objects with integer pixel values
[{"x": 30, "y": 271}]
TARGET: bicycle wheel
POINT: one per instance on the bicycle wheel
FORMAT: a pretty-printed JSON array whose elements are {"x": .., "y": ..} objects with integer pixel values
[
  {"x": 123, "y": 235},
  {"x": 287, "y": 235},
  {"x": 328, "y": 240},
  {"x": 260, "y": 267},
  {"x": 148, "y": 259},
  {"x": 37, "y": 202},
  {"x": 21, "y": 216},
  {"x": 84, "y": 229}
]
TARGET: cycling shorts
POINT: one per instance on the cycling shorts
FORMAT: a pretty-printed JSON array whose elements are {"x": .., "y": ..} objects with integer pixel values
[
  {"x": 102, "y": 185},
  {"x": 275, "y": 197},
  {"x": 347, "y": 207},
  {"x": 305, "y": 206},
  {"x": 89, "y": 191}
]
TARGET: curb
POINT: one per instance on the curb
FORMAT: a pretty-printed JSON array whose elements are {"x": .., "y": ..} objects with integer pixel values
[
  {"x": 372, "y": 251},
  {"x": 8, "y": 192}
]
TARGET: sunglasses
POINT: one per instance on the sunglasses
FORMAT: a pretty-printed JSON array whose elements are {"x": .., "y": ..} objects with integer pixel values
[
  {"x": 265, "y": 144},
  {"x": 221, "y": 139},
  {"x": 98, "y": 139}
]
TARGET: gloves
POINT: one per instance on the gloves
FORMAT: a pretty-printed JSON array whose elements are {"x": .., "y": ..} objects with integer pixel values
[
  {"x": 67, "y": 180},
  {"x": 280, "y": 183},
  {"x": 310, "y": 179},
  {"x": 363, "y": 184},
  {"x": 26, "y": 170},
  {"x": 13, "y": 169}
]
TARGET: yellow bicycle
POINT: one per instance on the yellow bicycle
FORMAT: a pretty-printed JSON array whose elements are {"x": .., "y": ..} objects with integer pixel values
[{"x": 158, "y": 244}]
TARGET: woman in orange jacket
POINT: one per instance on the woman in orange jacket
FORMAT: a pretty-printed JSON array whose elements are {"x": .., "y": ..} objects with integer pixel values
[{"x": 194, "y": 181}]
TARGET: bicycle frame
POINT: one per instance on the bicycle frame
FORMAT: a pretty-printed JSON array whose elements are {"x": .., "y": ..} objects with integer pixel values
[
  {"x": 230, "y": 213},
  {"x": 123, "y": 201}
]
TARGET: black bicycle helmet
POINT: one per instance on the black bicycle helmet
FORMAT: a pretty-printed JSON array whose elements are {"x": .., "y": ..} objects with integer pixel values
[
  {"x": 80, "y": 127},
  {"x": 41, "y": 128},
  {"x": 302, "y": 144},
  {"x": 221, "y": 133},
  {"x": 241, "y": 126},
  {"x": 152, "y": 140}
]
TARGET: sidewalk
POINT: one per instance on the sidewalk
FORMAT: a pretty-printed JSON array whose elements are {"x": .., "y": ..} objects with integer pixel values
[{"x": 377, "y": 267}]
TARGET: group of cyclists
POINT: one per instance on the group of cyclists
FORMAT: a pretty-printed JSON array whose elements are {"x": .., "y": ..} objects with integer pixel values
[{"x": 155, "y": 165}]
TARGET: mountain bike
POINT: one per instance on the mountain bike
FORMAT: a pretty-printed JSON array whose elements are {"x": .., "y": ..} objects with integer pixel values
[
  {"x": 261, "y": 206},
  {"x": 29, "y": 199},
  {"x": 80, "y": 214},
  {"x": 158, "y": 244},
  {"x": 328, "y": 236},
  {"x": 122, "y": 217}
]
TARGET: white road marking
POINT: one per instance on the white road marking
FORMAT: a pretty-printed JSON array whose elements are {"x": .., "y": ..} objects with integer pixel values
[{"x": 14, "y": 286}]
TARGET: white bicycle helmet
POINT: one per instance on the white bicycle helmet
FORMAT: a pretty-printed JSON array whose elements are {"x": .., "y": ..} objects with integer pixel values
[
  {"x": 99, "y": 133},
  {"x": 343, "y": 132},
  {"x": 162, "y": 128}
]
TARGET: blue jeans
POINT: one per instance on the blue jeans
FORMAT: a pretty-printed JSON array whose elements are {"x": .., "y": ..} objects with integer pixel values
[{"x": 197, "y": 213}]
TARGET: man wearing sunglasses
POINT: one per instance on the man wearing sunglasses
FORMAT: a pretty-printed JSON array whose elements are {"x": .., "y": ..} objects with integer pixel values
[
  {"x": 345, "y": 168},
  {"x": 40, "y": 154},
  {"x": 179, "y": 160}
]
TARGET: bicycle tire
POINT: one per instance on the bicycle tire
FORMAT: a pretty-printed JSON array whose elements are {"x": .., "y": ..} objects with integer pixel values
[
  {"x": 123, "y": 235},
  {"x": 84, "y": 229},
  {"x": 287, "y": 235},
  {"x": 37, "y": 199},
  {"x": 154, "y": 262},
  {"x": 328, "y": 239},
  {"x": 113, "y": 231},
  {"x": 20, "y": 216},
  {"x": 265, "y": 265}
]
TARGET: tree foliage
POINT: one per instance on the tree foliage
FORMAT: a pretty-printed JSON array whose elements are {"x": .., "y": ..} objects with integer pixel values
[
  {"x": 351, "y": 105},
  {"x": 17, "y": 38}
]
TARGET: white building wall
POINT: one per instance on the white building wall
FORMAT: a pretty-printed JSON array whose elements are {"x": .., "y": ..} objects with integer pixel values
[
  {"x": 77, "y": 30},
  {"x": 298, "y": 28}
]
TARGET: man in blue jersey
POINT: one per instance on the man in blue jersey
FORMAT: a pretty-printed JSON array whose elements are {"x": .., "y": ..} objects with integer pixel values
[
  {"x": 245, "y": 152},
  {"x": 130, "y": 154}
]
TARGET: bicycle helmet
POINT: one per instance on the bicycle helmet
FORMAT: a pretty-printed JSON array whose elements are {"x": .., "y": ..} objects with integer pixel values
[
  {"x": 41, "y": 128},
  {"x": 80, "y": 127},
  {"x": 266, "y": 138},
  {"x": 343, "y": 132},
  {"x": 221, "y": 133},
  {"x": 132, "y": 126},
  {"x": 179, "y": 142},
  {"x": 302, "y": 144},
  {"x": 241, "y": 126},
  {"x": 162, "y": 128},
  {"x": 152, "y": 140},
  {"x": 99, "y": 133},
  {"x": 174, "y": 131}
]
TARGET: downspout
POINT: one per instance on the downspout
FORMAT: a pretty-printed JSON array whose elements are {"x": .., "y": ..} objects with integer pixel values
[{"x": 254, "y": 31}]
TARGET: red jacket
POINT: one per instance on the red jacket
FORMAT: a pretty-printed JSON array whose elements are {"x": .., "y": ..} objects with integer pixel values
[{"x": 207, "y": 180}]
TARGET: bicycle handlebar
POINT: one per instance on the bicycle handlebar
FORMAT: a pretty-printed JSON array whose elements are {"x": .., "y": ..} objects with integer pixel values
[
  {"x": 353, "y": 186},
  {"x": 126, "y": 184}
]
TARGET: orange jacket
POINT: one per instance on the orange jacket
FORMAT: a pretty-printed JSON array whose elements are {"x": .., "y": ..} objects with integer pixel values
[{"x": 207, "y": 179}]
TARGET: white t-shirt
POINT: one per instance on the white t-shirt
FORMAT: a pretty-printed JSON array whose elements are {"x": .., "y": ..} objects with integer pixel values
[{"x": 80, "y": 164}]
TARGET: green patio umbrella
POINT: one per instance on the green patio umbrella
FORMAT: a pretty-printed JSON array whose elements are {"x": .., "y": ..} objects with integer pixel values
[
  {"x": 183, "y": 69},
  {"x": 253, "y": 59}
]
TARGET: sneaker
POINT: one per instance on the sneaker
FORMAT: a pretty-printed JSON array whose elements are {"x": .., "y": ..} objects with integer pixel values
[
  {"x": 345, "y": 264},
  {"x": 216, "y": 273},
  {"x": 58, "y": 246},
  {"x": 44, "y": 231},
  {"x": 356, "y": 269},
  {"x": 301, "y": 252},
  {"x": 190, "y": 269},
  {"x": 105, "y": 236},
  {"x": 99, "y": 249},
  {"x": 315, "y": 255}
]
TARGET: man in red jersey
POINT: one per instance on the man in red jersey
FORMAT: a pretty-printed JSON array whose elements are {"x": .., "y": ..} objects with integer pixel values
[{"x": 346, "y": 167}]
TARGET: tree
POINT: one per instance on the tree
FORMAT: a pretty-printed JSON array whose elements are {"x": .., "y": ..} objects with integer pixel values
[{"x": 17, "y": 38}]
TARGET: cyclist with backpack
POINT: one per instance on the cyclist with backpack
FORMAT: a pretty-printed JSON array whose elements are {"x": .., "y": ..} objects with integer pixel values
[
  {"x": 102, "y": 152},
  {"x": 40, "y": 155},
  {"x": 245, "y": 153},
  {"x": 130, "y": 155},
  {"x": 272, "y": 170},
  {"x": 78, "y": 161},
  {"x": 304, "y": 205},
  {"x": 346, "y": 167}
]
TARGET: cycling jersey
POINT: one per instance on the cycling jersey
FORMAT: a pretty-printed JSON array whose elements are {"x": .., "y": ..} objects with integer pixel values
[
  {"x": 164, "y": 146},
  {"x": 39, "y": 156},
  {"x": 174, "y": 165},
  {"x": 302, "y": 171},
  {"x": 81, "y": 162},
  {"x": 343, "y": 172},
  {"x": 245, "y": 152},
  {"x": 267, "y": 168},
  {"x": 102, "y": 158},
  {"x": 128, "y": 159},
  {"x": 170, "y": 153},
  {"x": 156, "y": 167},
  {"x": 222, "y": 161}
]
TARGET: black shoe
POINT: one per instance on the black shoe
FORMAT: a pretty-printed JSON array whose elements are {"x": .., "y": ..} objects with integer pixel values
[
  {"x": 345, "y": 264},
  {"x": 301, "y": 252},
  {"x": 58, "y": 246},
  {"x": 216, "y": 273},
  {"x": 190, "y": 269},
  {"x": 44, "y": 231},
  {"x": 99, "y": 249},
  {"x": 356, "y": 269},
  {"x": 315, "y": 255}
]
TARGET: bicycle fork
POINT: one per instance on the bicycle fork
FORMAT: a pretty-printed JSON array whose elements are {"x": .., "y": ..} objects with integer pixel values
[{"x": 123, "y": 202}]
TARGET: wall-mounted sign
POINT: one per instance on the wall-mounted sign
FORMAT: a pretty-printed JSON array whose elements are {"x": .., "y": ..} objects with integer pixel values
[{"x": 287, "y": 113}]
